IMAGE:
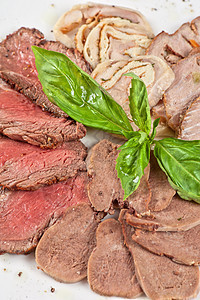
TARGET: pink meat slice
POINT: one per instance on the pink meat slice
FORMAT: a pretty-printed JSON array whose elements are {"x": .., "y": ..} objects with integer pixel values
[{"x": 25, "y": 215}]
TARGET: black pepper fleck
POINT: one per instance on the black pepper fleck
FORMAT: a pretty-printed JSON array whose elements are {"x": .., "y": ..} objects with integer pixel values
[
  {"x": 20, "y": 274},
  {"x": 52, "y": 290}
]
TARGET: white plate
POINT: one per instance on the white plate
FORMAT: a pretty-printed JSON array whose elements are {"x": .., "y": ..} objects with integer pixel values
[{"x": 167, "y": 15}]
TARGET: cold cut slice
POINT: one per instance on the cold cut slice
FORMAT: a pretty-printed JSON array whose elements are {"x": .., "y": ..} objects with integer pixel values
[
  {"x": 64, "y": 249},
  {"x": 111, "y": 270}
]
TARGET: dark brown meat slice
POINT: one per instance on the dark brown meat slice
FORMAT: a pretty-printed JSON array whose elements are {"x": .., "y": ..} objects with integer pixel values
[
  {"x": 104, "y": 190},
  {"x": 22, "y": 120},
  {"x": 159, "y": 276},
  {"x": 183, "y": 247},
  {"x": 184, "y": 89},
  {"x": 161, "y": 191},
  {"x": 190, "y": 125},
  {"x": 17, "y": 64},
  {"x": 65, "y": 248},
  {"x": 180, "y": 215},
  {"x": 28, "y": 167},
  {"x": 173, "y": 47},
  {"x": 24, "y": 215},
  {"x": 111, "y": 270}
]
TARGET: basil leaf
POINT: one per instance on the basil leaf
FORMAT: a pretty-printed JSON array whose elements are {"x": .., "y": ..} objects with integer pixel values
[
  {"x": 139, "y": 104},
  {"x": 78, "y": 94},
  {"x": 155, "y": 124},
  {"x": 132, "y": 160},
  {"x": 180, "y": 160}
]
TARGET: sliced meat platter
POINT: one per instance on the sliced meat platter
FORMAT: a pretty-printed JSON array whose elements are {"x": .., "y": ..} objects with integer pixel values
[{"x": 63, "y": 201}]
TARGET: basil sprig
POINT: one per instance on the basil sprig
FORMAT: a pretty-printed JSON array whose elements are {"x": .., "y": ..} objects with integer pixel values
[{"x": 83, "y": 99}]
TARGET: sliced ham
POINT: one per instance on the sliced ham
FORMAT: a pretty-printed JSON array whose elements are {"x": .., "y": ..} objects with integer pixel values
[
  {"x": 72, "y": 21},
  {"x": 180, "y": 215},
  {"x": 25, "y": 215},
  {"x": 184, "y": 89},
  {"x": 111, "y": 270},
  {"x": 182, "y": 247},
  {"x": 162, "y": 192},
  {"x": 22, "y": 120},
  {"x": 65, "y": 248},
  {"x": 173, "y": 47},
  {"x": 159, "y": 276},
  {"x": 190, "y": 125},
  {"x": 104, "y": 187}
]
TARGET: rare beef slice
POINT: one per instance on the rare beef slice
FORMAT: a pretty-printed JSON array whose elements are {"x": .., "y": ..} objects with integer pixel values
[
  {"x": 159, "y": 276},
  {"x": 111, "y": 270},
  {"x": 183, "y": 247},
  {"x": 104, "y": 187},
  {"x": 22, "y": 120},
  {"x": 25, "y": 215},
  {"x": 180, "y": 215},
  {"x": 17, "y": 64},
  {"x": 64, "y": 249},
  {"x": 161, "y": 191},
  {"x": 28, "y": 167}
]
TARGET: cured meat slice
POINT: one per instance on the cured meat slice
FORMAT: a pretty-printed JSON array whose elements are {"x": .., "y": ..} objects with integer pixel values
[
  {"x": 183, "y": 247},
  {"x": 28, "y": 167},
  {"x": 155, "y": 73},
  {"x": 180, "y": 215},
  {"x": 173, "y": 47},
  {"x": 22, "y": 120},
  {"x": 25, "y": 215},
  {"x": 111, "y": 270},
  {"x": 190, "y": 125},
  {"x": 161, "y": 191},
  {"x": 184, "y": 89},
  {"x": 70, "y": 22},
  {"x": 65, "y": 248},
  {"x": 159, "y": 276},
  {"x": 104, "y": 191},
  {"x": 17, "y": 64}
]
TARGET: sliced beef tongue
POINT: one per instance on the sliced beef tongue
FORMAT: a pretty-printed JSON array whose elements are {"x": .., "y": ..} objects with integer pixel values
[
  {"x": 28, "y": 167},
  {"x": 173, "y": 47},
  {"x": 162, "y": 192},
  {"x": 22, "y": 120},
  {"x": 159, "y": 276},
  {"x": 180, "y": 215},
  {"x": 25, "y": 215},
  {"x": 183, "y": 247},
  {"x": 190, "y": 125},
  {"x": 17, "y": 64},
  {"x": 64, "y": 249},
  {"x": 184, "y": 89},
  {"x": 104, "y": 187},
  {"x": 111, "y": 270}
]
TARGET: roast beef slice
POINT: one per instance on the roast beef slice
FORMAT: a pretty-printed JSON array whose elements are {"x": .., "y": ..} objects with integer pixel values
[
  {"x": 22, "y": 120},
  {"x": 104, "y": 187},
  {"x": 184, "y": 89},
  {"x": 183, "y": 247},
  {"x": 173, "y": 47},
  {"x": 111, "y": 270},
  {"x": 180, "y": 215},
  {"x": 162, "y": 192},
  {"x": 17, "y": 64},
  {"x": 25, "y": 215},
  {"x": 190, "y": 125},
  {"x": 28, "y": 167},
  {"x": 159, "y": 276},
  {"x": 64, "y": 249}
]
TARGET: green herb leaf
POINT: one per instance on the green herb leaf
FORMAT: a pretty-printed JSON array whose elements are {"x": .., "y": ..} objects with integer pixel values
[
  {"x": 132, "y": 160},
  {"x": 139, "y": 104},
  {"x": 155, "y": 124},
  {"x": 78, "y": 94},
  {"x": 180, "y": 160}
]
